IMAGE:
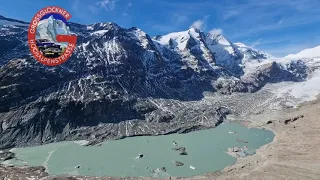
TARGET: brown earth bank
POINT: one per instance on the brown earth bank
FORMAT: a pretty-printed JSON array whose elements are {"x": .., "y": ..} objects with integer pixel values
[{"x": 294, "y": 153}]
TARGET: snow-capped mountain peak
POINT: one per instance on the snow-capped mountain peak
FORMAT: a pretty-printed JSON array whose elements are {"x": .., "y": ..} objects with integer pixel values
[
  {"x": 103, "y": 26},
  {"x": 214, "y": 47},
  {"x": 307, "y": 53},
  {"x": 194, "y": 30},
  {"x": 175, "y": 40},
  {"x": 226, "y": 54},
  {"x": 250, "y": 53},
  {"x": 219, "y": 39},
  {"x": 215, "y": 32},
  {"x": 191, "y": 46},
  {"x": 179, "y": 39},
  {"x": 239, "y": 44}
]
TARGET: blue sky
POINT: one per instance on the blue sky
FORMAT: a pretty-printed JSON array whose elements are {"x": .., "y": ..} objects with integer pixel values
[
  {"x": 279, "y": 27},
  {"x": 55, "y": 16}
]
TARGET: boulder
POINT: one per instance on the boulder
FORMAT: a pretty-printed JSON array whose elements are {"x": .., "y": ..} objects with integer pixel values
[
  {"x": 163, "y": 169},
  {"x": 6, "y": 156},
  {"x": 269, "y": 122},
  {"x": 179, "y": 149},
  {"x": 178, "y": 163},
  {"x": 183, "y": 153},
  {"x": 287, "y": 121}
]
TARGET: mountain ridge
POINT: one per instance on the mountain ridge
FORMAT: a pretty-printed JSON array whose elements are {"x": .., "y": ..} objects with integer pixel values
[
  {"x": 306, "y": 53},
  {"x": 122, "y": 82},
  {"x": 155, "y": 37},
  {"x": 13, "y": 20}
]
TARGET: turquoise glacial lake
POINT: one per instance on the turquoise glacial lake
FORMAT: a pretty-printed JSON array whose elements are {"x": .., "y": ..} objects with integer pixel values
[{"x": 206, "y": 151}]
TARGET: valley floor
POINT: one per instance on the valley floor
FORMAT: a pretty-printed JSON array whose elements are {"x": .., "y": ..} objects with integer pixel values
[{"x": 294, "y": 153}]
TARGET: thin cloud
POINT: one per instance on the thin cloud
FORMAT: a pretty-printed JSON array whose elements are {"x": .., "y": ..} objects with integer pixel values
[
  {"x": 200, "y": 23},
  {"x": 231, "y": 13},
  {"x": 177, "y": 21},
  {"x": 92, "y": 8},
  {"x": 280, "y": 47},
  {"x": 254, "y": 18},
  {"x": 108, "y": 5},
  {"x": 81, "y": 11},
  {"x": 126, "y": 9},
  {"x": 197, "y": 24},
  {"x": 298, "y": 5},
  {"x": 164, "y": 28},
  {"x": 290, "y": 22},
  {"x": 215, "y": 32},
  {"x": 287, "y": 49},
  {"x": 256, "y": 43},
  {"x": 257, "y": 15},
  {"x": 75, "y": 5},
  {"x": 281, "y": 21}
]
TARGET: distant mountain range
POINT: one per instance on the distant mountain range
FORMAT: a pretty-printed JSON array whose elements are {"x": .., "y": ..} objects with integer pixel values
[
  {"x": 122, "y": 82},
  {"x": 9, "y": 21},
  {"x": 307, "y": 53}
]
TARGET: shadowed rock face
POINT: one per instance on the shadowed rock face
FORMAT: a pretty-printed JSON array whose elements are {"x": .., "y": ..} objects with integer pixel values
[{"x": 118, "y": 83}]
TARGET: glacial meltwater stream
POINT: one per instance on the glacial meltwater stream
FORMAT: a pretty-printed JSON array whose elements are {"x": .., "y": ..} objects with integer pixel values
[{"x": 206, "y": 152}]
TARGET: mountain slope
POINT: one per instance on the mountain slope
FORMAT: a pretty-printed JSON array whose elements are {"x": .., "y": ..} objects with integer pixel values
[
  {"x": 121, "y": 82},
  {"x": 307, "y": 53},
  {"x": 190, "y": 46},
  {"x": 226, "y": 54},
  {"x": 251, "y": 53},
  {"x": 9, "y": 21}
]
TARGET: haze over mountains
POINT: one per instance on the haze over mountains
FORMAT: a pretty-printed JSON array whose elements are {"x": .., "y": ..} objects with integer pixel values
[{"x": 121, "y": 82}]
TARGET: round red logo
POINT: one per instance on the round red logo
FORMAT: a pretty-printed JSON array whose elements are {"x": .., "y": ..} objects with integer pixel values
[{"x": 49, "y": 38}]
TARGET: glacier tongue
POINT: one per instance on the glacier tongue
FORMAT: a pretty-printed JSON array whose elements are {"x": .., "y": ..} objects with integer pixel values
[{"x": 294, "y": 93}]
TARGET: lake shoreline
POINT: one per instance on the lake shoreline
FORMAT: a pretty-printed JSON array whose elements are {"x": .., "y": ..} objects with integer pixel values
[
  {"x": 213, "y": 157},
  {"x": 270, "y": 155},
  {"x": 270, "y": 158}
]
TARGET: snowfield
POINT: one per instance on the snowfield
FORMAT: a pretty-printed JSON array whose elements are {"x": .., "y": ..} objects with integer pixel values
[
  {"x": 6, "y": 22},
  {"x": 307, "y": 53}
]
